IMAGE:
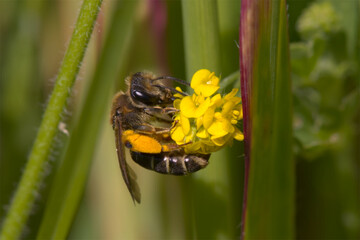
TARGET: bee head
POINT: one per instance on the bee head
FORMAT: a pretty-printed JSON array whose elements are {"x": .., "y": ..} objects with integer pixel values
[{"x": 143, "y": 90}]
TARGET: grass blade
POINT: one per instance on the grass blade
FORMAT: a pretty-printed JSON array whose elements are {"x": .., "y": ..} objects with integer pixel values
[
  {"x": 201, "y": 33},
  {"x": 34, "y": 171},
  {"x": 208, "y": 192},
  {"x": 266, "y": 91}
]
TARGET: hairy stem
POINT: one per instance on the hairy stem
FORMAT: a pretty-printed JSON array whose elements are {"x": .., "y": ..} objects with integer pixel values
[{"x": 34, "y": 171}]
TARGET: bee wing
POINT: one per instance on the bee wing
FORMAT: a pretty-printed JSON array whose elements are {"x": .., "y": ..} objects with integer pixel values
[{"x": 128, "y": 174}]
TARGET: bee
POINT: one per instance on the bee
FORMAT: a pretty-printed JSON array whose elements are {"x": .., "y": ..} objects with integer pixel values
[{"x": 142, "y": 118}]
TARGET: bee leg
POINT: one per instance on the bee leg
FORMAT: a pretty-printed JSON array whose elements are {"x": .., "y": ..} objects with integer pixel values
[
  {"x": 168, "y": 110},
  {"x": 151, "y": 130},
  {"x": 184, "y": 144},
  {"x": 163, "y": 131},
  {"x": 145, "y": 128},
  {"x": 158, "y": 114},
  {"x": 168, "y": 147},
  {"x": 174, "y": 125},
  {"x": 160, "y": 110}
]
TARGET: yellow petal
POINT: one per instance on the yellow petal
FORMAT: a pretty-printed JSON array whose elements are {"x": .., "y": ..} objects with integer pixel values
[
  {"x": 193, "y": 147},
  {"x": 200, "y": 77},
  {"x": 202, "y": 133},
  {"x": 216, "y": 129},
  {"x": 218, "y": 116},
  {"x": 177, "y": 134},
  {"x": 238, "y": 135},
  {"x": 199, "y": 122},
  {"x": 206, "y": 90},
  {"x": 190, "y": 137},
  {"x": 209, "y": 148},
  {"x": 241, "y": 113},
  {"x": 187, "y": 107},
  {"x": 216, "y": 100},
  {"x": 204, "y": 82},
  {"x": 227, "y": 108},
  {"x": 236, "y": 100},
  {"x": 227, "y": 126},
  {"x": 220, "y": 141},
  {"x": 231, "y": 94},
  {"x": 202, "y": 108},
  {"x": 198, "y": 99},
  {"x": 185, "y": 124},
  {"x": 208, "y": 117}
]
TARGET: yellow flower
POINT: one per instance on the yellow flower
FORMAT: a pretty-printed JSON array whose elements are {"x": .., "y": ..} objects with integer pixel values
[
  {"x": 194, "y": 106},
  {"x": 181, "y": 128},
  {"x": 221, "y": 126},
  {"x": 206, "y": 123},
  {"x": 205, "y": 83}
]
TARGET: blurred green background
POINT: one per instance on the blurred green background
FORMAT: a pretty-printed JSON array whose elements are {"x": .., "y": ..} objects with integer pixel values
[{"x": 325, "y": 60}]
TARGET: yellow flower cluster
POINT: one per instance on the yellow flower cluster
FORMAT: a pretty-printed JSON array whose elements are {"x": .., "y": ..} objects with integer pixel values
[{"x": 206, "y": 121}]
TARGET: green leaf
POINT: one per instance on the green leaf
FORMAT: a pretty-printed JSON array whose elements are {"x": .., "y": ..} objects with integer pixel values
[
  {"x": 267, "y": 103},
  {"x": 70, "y": 179}
]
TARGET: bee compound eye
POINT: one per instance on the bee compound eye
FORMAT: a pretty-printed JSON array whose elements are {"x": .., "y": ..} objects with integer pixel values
[
  {"x": 137, "y": 94},
  {"x": 142, "y": 96}
]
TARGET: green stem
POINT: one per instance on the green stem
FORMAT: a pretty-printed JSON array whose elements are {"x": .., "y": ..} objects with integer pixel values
[
  {"x": 70, "y": 178},
  {"x": 34, "y": 171}
]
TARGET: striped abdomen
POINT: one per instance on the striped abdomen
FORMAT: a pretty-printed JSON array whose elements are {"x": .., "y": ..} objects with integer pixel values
[{"x": 175, "y": 162}]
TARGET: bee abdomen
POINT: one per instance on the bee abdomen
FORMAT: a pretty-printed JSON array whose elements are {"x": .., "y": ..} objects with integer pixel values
[{"x": 175, "y": 163}]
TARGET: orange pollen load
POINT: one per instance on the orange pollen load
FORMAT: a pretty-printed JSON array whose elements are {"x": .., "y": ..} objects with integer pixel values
[{"x": 141, "y": 143}]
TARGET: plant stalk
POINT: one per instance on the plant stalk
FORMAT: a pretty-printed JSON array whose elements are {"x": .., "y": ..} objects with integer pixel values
[{"x": 34, "y": 173}]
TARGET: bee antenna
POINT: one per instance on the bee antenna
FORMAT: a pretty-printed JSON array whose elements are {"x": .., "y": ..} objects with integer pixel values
[
  {"x": 172, "y": 89},
  {"x": 173, "y": 79}
]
